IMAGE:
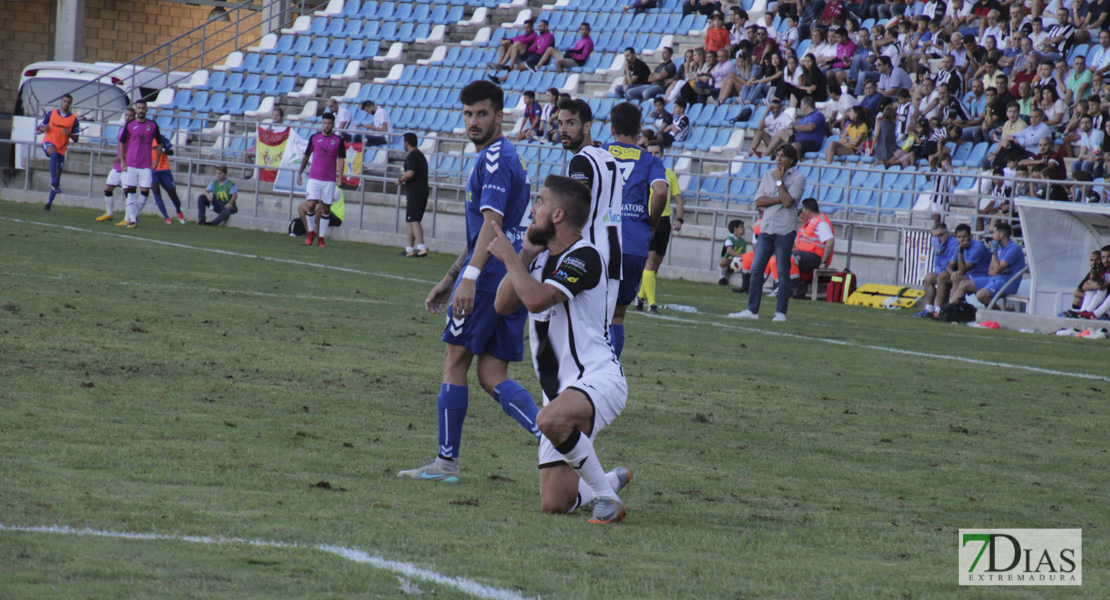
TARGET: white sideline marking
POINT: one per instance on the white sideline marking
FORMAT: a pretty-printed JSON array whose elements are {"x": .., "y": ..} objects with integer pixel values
[
  {"x": 462, "y": 584},
  {"x": 225, "y": 252},
  {"x": 973, "y": 361}
]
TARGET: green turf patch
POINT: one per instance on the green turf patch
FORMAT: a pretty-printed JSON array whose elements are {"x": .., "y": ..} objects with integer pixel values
[{"x": 215, "y": 382}]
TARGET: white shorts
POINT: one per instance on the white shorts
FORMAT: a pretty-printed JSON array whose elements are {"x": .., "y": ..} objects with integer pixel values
[
  {"x": 607, "y": 390},
  {"x": 114, "y": 178},
  {"x": 318, "y": 189},
  {"x": 140, "y": 178}
]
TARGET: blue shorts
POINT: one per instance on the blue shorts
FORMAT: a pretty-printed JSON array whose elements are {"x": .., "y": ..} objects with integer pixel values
[
  {"x": 981, "y": 281},
  {"x": 532, "y": 59},
  {"x": 486, "y": 332},
  {"x": 47, "y": 145},
  {"x": 994, "y": 284},
  {"x": 164, "y": 180},
  {"x": 632, "y": 271}
]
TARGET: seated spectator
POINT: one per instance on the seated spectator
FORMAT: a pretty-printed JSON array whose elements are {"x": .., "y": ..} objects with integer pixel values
[
  {"x": 1047, "y": 155},
  {"x": 973, "y": 262},
  {"x": 1023, "y": 142},
  {"x": 807, "y": 134},
  {"x": 738, "y": 38},
  {"x": 1007, "y": 260},
  {"x": 716, "y": 36},
  {"x": 548, "y": 114},
  {"x": 915, "y": 145},
  {"x": 836, "y": 107},
  {"x": 892, "y": 78},
  {"x": 1086, "y": 144},
  {"x": 733, "y": 249},
  {"x": 576, "y": 56},
  {"x": 709, "y": 84},
  {"x": 659, "y": 115},
  {"x": 1058, "y": 40},
  {"x": 1092, "y": 281},
  {"x": 789, "y": 37},
  {"x": 789, "y": 85},
  {"x": 765, "y": 45},
  {"x": 871, "y": 97},
  {"x": 1054, "y": 109},
  {"x": 1100, "y": 61},
  {"x": 813, "y": 248},
  {"x": 823, "y": 51},
  {"x": 639, "y": 6},
  {"x": 705, "y": 7},
  {"x": 746, "y": 72},
  {"x": 509, "y": 48},
  {"x": 531, "y": 124},
  {"x": 856, "y": 131},
  {"x": 382, "y": 124},
  {"x": 661, "y": 77},
  {"x": 679, "y": 129},
  {"x": 845, "y": 52},
  {"x": 1096, "y": 289},
  {"x": 687, "y": 73},
  {"x": 529, "y": 57},
  {"x": 221, "y": 195},
  {"x": 939, "y": 278},
  {"x": 771, "y": 71},
  {"x": 773, "y": 121},
  {"x": 343, "y": 118},
  {"x": 1081, "y": 192},
  {"x": 636, "y": 75},
  {"x": 974, "y": 128},
  {"x": 1077, "y": 83},
  {"x": 1102, "y": 167}
]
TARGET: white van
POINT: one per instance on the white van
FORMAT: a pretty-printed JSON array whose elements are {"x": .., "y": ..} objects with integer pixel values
[{"x": 100, "y": 90}]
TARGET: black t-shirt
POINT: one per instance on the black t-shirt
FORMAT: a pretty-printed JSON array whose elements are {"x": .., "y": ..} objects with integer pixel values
[
  {"x": 417, "y": 187},
  {"x": 640, "y": 71}
]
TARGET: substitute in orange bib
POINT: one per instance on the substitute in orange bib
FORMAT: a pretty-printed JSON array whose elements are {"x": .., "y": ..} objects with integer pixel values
[
  {"x": 60, "y": 127},
  {"x": 814, "y": 246}
]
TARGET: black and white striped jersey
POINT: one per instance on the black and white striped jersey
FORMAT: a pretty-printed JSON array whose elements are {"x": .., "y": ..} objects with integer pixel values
[{"x": 598, "y": 170}]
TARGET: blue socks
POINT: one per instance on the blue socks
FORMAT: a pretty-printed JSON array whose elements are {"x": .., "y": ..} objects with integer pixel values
[
  {"x": 518, "y": 404},
  {"x": 55, "y": 169},
  {"x": 161, "y": 206},
  {"x": 616, "y": 332},
  {"x": 451, "y": 410}
]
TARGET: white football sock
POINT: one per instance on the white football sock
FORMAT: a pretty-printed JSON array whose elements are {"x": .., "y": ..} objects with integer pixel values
[
  {"x": 421, "y": 247},
  {"x": 585, "y": 494},
  {"x": 324, "y": 222},
  {"x": 723, "y": 271},
  {"x": 1091, "y": 300},
  {"x": 582, "y": 458},
  {"x": 110, "y": 205},
  {"x": 310, "y": 221}
]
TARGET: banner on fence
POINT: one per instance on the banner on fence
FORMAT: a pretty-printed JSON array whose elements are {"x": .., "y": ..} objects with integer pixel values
[
  {"x": 270, "y": 148},
  {"x": 291, "y": 158}
]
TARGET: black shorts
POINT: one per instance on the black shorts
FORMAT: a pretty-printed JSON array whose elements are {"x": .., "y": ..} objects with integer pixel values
[
  {"x": 662, "y": 237},
  {"x": 580, "y": 61},
  {"x": 531, "y": 58},
  {"x": 414, "y": 209},
  {"x": 807, "y": 146}
]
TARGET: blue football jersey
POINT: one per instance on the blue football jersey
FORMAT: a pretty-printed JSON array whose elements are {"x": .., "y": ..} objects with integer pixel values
[
  {"x": 498, "y": 182},
  {"x": 639, "y": 169}
]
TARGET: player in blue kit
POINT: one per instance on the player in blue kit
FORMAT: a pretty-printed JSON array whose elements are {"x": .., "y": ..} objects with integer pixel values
[
  {"x": 973, "y": 263},
  {"x": 498, "y": 196},
  {"x": 641, "y": 173}
]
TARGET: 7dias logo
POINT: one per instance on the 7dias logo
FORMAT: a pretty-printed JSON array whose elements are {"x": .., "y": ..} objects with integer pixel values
[{"x": 1021, "y": 557}]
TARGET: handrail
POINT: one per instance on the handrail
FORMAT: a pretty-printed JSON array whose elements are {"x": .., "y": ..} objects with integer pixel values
[
  {"x": 135, "y": 69},
  {"x": 998, "y": 295}
]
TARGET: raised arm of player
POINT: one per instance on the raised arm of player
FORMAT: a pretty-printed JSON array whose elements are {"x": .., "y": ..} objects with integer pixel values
[{"x": 519, "y": 287}]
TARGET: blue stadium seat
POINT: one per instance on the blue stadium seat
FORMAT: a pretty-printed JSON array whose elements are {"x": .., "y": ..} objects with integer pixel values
[
  {"x": 388, "y": 31},
  {"x": 302, "y": 46},
  {"x": 369, "y": 11},
  {"x": 198, "y": 102},
  {"x": 216, "y": 103},
  {"x": 180, "y": 100},
  {"x": 166, "y": 123},
  {"x": 335, "y": 27},
  {"x": 304, "y": 65},
  {"x": 351, "y": 8},
  {"x": 268, "y": 85},
  {"x": 237, "y": 83},
  {"x": 321, "y": 69},
  {"x": 403, "y": 12},
  {"x": 251, "y": 62},
  {"x": 318, "y": 27},
  {"x": 453, "y": 16},
  {"x": 234, "y": 105},
  {"x": 252, "y": 103},
  {"x": 451, "y": 59},
  {"x": 284, "y": 65},
  {"x": 385, "y": 11},
  {"x": 352, "y": 31},
  {"x": 336, "y": 49},
  {"x": 372, "y": 30},
  {"x": 286, "y": 86},
  {"x": 405, "y": 33},
  {"x": 355, "y": 50},
  {"x": 283, "y": 46},
  {"x": 216, "y": 82}
]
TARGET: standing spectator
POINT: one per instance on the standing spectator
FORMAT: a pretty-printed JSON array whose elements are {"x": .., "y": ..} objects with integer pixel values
[
  {"x": 886, "y": 139},
  {"x": 381, "y": 124},
  {"x": 61, "y": 127},
  {"x": 716, "y": 37},
  {"x": 778, "y": 193},
  {"x": 509, "y": 48},
  {"x": 773, "y": 121},
  {"x": 327, "y": 153},
  {"x": 661, "y": 77},
  {"x": 575, "y": 57},
  {"x": 415, "y": 180},
  {"x": 636, "y": 75},
  {"x": 221, "y": 195}
]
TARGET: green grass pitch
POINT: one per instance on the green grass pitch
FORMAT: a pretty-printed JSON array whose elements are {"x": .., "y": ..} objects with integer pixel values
[{"x": 191, "y": 381}]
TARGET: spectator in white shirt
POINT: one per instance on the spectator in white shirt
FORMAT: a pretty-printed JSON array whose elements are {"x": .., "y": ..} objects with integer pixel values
[{"x": 381, "y": 124}]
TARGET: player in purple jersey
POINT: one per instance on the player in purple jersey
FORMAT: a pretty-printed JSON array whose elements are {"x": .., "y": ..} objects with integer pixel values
[
  {"x": 135, "y": 141},
  {"x": 497, "y": 199},
  {"x": 328, "y": 154}
]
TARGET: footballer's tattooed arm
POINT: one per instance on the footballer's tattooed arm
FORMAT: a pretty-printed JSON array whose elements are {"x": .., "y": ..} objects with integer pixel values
[{"x": 437, "y": 299}]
